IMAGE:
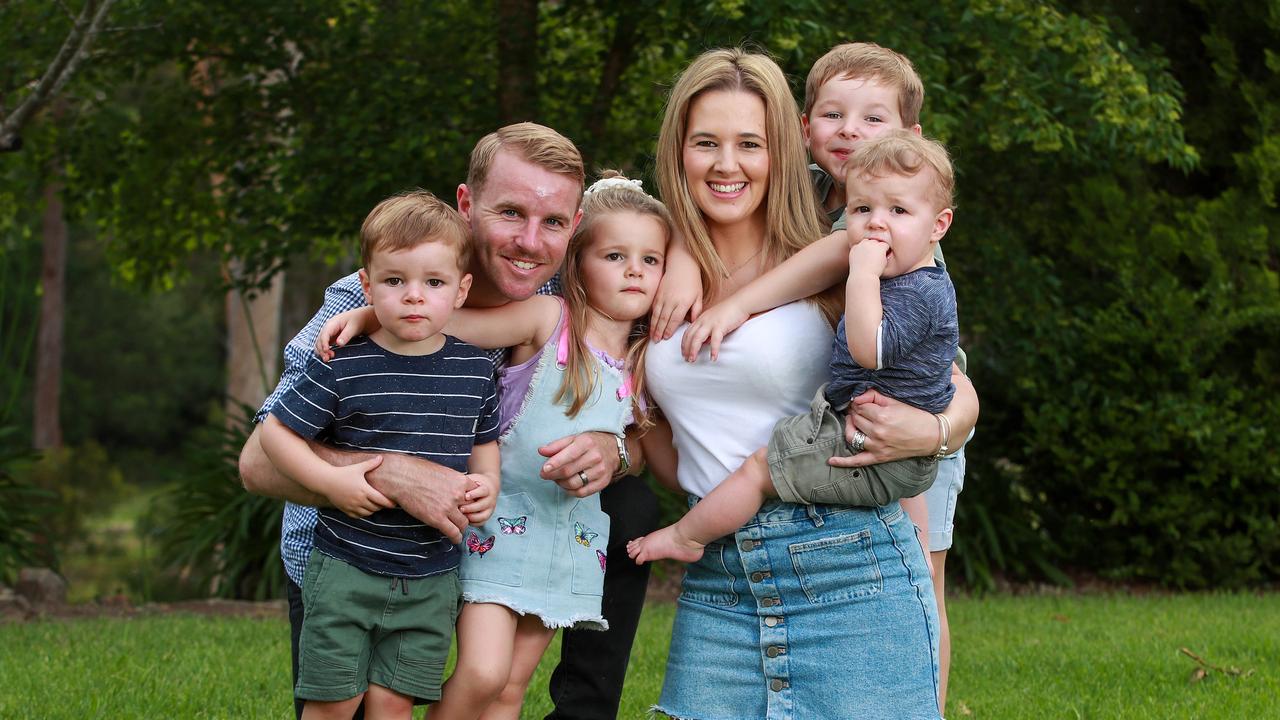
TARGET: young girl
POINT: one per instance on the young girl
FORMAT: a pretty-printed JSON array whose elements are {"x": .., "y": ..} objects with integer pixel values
[{"x": 538, "y": 563}]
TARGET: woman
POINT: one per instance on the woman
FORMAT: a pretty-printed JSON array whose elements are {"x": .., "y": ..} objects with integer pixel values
[{"x": 807, "y": 611}]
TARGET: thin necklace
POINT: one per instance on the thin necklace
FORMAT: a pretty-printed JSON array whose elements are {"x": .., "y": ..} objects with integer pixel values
[{"x": 730, "y": 273}]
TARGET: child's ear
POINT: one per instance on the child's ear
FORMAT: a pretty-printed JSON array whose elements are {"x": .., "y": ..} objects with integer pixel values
[
  {"x": 941, "y": 223},
  {"x": 464, "y": 287},
  {"x": 804, "y": 125},
  {"x": 365, "y": 286},
  {"x": 916, "y": 129}
]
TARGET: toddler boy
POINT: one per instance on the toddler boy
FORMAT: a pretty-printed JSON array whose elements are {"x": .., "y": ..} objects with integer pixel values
[
  {"x": 898, "y": 335},
  {"x": 381, "y": 590}
]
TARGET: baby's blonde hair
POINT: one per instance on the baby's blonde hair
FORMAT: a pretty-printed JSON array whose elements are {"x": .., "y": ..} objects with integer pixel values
[{"x": 902, "y": 152}]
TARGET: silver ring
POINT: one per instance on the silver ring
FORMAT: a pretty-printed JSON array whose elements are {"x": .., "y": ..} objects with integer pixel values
[
  {"x": 582, "y": 475},
  {"x": 859, "y": 439}
]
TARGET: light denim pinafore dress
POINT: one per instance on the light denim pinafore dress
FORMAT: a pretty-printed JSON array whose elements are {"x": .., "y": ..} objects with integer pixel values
[{"x": 543, "y": 550}]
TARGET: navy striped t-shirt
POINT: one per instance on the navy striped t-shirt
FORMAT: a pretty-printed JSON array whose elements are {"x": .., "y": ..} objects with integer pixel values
[{"x": 367, "y": 398}]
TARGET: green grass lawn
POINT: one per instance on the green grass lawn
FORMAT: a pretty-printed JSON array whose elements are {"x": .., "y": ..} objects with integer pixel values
[{"x": 1015, "y": 657}]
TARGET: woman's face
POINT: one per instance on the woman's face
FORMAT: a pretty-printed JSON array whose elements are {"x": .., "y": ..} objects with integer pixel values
[{"x": 726, "y": 157}]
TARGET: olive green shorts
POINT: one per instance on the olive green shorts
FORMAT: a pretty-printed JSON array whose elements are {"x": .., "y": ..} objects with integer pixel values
[
  {"x": 359, "y": 628},
  {"x": 801, "y": 445}
]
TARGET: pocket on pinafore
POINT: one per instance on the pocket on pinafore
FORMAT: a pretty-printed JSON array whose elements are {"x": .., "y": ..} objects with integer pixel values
[
  {"x": 590, "y": 526},
  {"x": 709, "y": 581},
  {"x": 496, "y": 551},
  {"x": 837, "y": 568}
]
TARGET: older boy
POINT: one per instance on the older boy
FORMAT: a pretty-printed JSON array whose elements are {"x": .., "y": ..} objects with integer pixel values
[
  {"x": 898, "y": 336},
  {"x": 406, "y": 388}
]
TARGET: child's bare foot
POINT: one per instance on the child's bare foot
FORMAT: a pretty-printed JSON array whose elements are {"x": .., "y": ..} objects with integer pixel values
[{"x": 667, "y": 542}]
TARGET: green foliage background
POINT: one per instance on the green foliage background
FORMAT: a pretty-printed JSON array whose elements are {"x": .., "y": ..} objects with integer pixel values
[{"x": 1115, "y": 249}]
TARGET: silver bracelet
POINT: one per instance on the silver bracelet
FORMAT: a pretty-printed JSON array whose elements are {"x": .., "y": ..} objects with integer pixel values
[{"x": 944, "y": 433}]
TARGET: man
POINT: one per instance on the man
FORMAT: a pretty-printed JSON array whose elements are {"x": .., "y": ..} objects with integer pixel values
[{"x": 521, "y": 200}]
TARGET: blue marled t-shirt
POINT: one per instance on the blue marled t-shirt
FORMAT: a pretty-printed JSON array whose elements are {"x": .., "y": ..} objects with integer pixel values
[{"x": 915, "y": 346}]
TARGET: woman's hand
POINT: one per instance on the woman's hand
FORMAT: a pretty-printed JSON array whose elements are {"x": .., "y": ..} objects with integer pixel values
[
  {"x": 339, "y": 329},
  {"x": 893, "y": 429},
  {"x": 720, "y": 320}
]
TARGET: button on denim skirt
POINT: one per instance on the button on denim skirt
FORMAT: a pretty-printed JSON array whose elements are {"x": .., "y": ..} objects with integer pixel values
[{"x": 807, "y": 612}]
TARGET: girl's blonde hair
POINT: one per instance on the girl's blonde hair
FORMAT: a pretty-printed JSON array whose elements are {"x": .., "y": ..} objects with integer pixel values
[
  {"x": 581, "y": 372},
  {"x": 792, "y": 216}
]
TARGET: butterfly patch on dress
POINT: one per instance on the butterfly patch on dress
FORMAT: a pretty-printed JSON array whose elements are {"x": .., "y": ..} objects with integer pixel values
[
  {"x": 583, "y": 535},
  {"x": 602, "y": 558},
  {"x": 513, "y": 526},
  {"x": 475, "y": 546}
]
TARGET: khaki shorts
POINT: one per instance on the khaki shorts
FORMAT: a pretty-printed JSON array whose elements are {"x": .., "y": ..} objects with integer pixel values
[
  {"x": 801, "y": 445},
  {"x": 359, "y": 628}
]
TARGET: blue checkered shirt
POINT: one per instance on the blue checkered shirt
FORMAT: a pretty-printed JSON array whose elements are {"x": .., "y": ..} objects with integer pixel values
[{"x": 299, "y": 521}]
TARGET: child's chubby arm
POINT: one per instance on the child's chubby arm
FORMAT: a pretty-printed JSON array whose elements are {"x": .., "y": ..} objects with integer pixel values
[
  {"x": 338, "y": 330},
  {"x": 526, "y": 322},
  {"x": 344, "y": 486},
  {"x": 679, "y": 292},
  {"x": 863, "y": 309},
  {"x": 484, "y": 470},
  {"x": 812, "y": 270}
]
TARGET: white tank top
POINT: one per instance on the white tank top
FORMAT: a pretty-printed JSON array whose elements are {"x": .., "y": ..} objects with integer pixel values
[{"x": 721, "y": 412}]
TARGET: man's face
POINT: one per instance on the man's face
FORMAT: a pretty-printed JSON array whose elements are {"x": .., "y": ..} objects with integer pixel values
[{"x": 521, "y": 220}]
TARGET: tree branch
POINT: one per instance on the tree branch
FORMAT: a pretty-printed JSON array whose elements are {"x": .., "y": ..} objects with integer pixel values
[{"x": 73, "y": 52}]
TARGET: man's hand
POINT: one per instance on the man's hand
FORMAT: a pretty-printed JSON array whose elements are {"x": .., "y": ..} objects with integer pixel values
[
  {"x": 428, "y": 491},
  {"x": 581, "y": 464},
  {"x": 720, "y": 320}
]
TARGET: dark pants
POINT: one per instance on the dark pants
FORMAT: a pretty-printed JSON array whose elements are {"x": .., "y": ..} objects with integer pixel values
[
  {"x": 587, "y": 684},
  {"x": 294, "y": 594}
]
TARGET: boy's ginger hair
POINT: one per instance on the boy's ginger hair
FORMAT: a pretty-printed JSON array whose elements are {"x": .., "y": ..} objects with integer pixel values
[
  {"x": 537, "y": 144},
  {"x": 862, "y": 60},
  {"x": 407, "y": 220},
  {"x": 902, "y": 152}
]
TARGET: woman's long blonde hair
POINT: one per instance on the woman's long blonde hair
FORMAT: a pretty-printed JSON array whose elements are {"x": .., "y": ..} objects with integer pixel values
[
  {"x": 793, "y": 218},
  {"x": 581, "y": 372}
]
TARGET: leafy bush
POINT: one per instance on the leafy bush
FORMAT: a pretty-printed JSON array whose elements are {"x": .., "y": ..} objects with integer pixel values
[
  {"x": 215, "y": 535},
  {"x": 23, "y": 506}
]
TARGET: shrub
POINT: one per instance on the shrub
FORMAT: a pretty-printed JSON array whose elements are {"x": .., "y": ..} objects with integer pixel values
[
  {"x": 219, "y": 537},
  {"x": 23, "y": 510}
]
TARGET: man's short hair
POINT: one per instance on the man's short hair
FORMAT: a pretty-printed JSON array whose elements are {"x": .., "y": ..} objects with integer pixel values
[
  {"x": 407, "y": 220},
  {"x": 902, "y": 152},
  {"x": 535, "y": 143},
  {"x": 869, "y": 61}
]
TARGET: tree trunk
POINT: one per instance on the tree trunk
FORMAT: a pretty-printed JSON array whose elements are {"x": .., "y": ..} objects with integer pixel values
[
  {"x": 47, "y": 433},
  {"x": 253, "y": 347},
  {"x": 517, "y": 28},
  {"x": 616, "y": 59}
]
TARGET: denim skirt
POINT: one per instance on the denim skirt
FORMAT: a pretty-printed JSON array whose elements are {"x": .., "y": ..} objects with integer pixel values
[{"x": 807, "y": 611}]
